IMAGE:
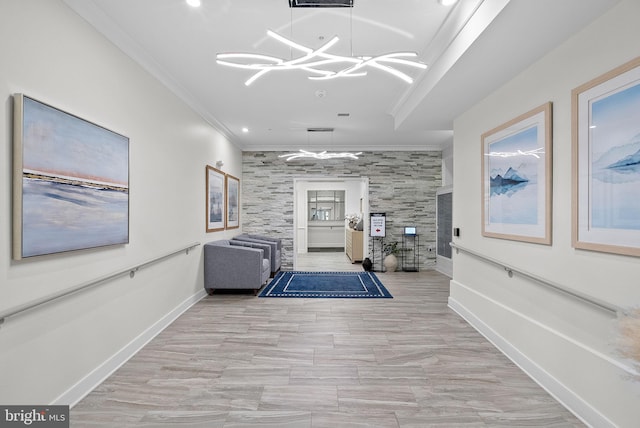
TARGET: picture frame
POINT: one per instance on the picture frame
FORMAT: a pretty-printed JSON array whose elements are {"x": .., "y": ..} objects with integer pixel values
[
  {"x": 606, "y": 162},
  {"x": 70, "y": 182},
  {"x": 516, "y": 160},
  {"x": 233, "y": 202},
  {"x": 215, "y": 199}
]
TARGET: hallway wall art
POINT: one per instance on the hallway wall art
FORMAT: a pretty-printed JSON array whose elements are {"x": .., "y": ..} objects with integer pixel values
[
  {"x": 606, "y": 162},
  {"x": 70, "y": 182},
  {"x": 516, "y": 178}
]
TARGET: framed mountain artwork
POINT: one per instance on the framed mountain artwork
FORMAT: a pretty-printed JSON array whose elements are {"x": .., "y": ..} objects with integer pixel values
[
  {"x": 606, "y": 162},
  {"x": 516, "y": 178}
]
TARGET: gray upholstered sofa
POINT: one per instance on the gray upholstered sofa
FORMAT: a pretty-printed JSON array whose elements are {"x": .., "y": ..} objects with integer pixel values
[
  {"x": 274, "y": 243},
  {"x": 236, "y": 265}
]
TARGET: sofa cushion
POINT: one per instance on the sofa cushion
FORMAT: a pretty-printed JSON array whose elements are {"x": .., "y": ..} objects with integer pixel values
[
  {"x": 278, "y": 241},
  {"x": 266, "y": 248}
]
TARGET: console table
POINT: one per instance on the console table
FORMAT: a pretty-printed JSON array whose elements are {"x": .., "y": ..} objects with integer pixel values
[{"x": 354, "y": 244}]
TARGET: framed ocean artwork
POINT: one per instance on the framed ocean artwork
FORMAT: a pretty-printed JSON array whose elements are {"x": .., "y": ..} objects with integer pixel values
[
  {"x": 233, "y": 202},
  {"x": 516, "y": 178},
  {"x": 606, "y": 162},
  {"x": 70, "y": 182},
  {"x": 215, "y": 199}
]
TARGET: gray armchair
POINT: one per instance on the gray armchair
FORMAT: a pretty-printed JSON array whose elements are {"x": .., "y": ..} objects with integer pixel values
[
  {"x": 235, "y": 266},
  {"x": 274, "y": 243}
]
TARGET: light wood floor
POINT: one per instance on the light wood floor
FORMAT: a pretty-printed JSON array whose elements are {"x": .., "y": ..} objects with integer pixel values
[
  {"x": 319, "y": 261},
  {"x": 235, "y": 360}
]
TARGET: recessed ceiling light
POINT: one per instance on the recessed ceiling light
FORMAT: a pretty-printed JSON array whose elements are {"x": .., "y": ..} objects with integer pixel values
[
  {"x": 245, "y": 129},
  {"x": 447, "y": 2},
  {"x": 194, "y": 3}
]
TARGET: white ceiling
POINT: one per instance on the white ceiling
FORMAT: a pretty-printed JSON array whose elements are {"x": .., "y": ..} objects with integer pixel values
[{"x": 470, "y": 48}]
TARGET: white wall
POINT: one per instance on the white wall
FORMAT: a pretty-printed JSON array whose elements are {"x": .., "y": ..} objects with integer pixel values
[
  {"x": 447, "y": 166},
  {"x": 51, "y": 54},
  {"x": 568, "y": 346}
]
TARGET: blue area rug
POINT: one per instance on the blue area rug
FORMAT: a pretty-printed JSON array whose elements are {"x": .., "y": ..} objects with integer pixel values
[{"x": 326, "y": 284}]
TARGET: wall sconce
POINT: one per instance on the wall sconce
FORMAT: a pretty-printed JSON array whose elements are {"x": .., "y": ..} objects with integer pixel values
[{"x": 219, "y": 164}]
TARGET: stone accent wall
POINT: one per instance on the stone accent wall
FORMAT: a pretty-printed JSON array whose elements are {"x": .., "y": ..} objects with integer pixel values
[{"x": 401, "y": 184}]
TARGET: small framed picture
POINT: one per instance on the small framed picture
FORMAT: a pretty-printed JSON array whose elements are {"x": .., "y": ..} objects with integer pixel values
[
  {"x": 233, "y": 202},
  {"x": 606, "y": 162},
  {"x": 215, "y": 199},
  {"x": 516, "y": 178}
]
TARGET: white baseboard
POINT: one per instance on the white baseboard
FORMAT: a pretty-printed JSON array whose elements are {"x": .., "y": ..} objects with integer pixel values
[
  {"x": 444, "y": 266},
  {"x": 576, "y": 405},
  {"x": 82, "y": 388}
]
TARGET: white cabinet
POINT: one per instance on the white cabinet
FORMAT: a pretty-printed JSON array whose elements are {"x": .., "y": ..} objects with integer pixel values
[{"x": 323, "y": 234}]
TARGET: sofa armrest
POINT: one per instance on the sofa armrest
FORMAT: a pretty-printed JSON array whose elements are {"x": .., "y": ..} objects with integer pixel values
[{"x": 231, "y": 266}]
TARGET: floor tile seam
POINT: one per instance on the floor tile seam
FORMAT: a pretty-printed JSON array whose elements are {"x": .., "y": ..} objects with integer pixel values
[{"x": 267, "y": 405}]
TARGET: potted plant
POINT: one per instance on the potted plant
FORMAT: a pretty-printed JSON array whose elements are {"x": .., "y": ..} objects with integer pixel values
[{"x": 390, "y": 261}]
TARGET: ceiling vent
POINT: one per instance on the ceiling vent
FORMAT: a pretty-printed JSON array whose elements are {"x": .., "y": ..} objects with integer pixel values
[
  {"x": 319, "y": 129},
  {"x": 320, "y": 3}
]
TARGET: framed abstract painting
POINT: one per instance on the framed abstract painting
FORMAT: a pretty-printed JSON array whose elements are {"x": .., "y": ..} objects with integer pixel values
[
  {"x": 70, "y": 182},
  {"x": 516, "y": 178},
  {"x": 233, "y": 202},
  {"x": 606, "y": 162},
  {"x": 215, "y": 199}
]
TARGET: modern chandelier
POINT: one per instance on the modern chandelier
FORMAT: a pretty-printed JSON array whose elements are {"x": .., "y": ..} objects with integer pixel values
[
  {"x": 321, "y": 155},
  {"x": 321, "y": 64},
  {"x": 313, "y": 62}
]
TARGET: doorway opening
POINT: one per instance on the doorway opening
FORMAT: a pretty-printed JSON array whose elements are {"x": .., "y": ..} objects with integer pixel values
[{"x": 321, "y": 208}]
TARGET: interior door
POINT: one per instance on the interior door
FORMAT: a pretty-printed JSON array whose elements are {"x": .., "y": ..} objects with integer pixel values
[{"x": 444, "y": 212}]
